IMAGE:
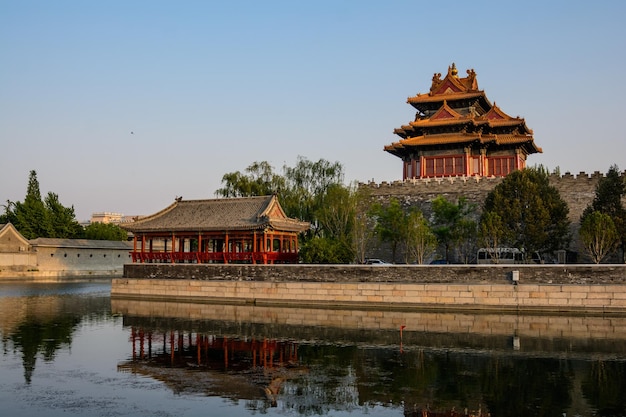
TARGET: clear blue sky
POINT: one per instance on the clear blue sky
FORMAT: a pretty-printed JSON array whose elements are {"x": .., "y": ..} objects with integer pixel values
[{"x": 209, "y": 87}]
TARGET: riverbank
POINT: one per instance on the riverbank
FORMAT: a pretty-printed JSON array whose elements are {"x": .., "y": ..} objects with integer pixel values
[{"x": 531, "y": 288}]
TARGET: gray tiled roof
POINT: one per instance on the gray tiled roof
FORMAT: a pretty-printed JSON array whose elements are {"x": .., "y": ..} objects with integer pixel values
[
  {"x": 80, "y": 243},
  {"x": 220, "y": 214}
]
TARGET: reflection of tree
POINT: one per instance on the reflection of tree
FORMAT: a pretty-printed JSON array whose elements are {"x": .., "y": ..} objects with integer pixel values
[
  {"x": 605, "y": 386},
  {"x": 532, "y": 386},
  {"x": 48, "y": 325},
  {"x": 34, "y": 337}
]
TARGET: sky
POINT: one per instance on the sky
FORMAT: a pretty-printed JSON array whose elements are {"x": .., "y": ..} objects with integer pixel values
[{"x": 122, "y": 106}]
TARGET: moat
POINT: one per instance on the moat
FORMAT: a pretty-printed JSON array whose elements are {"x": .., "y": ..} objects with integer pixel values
[{"x": 68, "y": 349}]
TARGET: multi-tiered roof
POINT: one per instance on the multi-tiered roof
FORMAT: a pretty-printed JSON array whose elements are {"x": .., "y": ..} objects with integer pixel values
[{"x": 457, "y": 131}]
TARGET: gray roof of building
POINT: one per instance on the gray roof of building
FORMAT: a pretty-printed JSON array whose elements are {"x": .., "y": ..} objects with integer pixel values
[
  {"x": 80, "y": 243},
  {"x": 220, "y": 214}
]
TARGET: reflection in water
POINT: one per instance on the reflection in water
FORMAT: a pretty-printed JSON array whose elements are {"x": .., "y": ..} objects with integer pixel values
[
  {"x": 38, "y": 320},
  {"x": 299, "y": 361},
  {"x": 308, "y": 369}
]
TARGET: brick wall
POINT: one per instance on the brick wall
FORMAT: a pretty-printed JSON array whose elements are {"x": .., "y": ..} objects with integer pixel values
[{"x": 549, "y": 288}]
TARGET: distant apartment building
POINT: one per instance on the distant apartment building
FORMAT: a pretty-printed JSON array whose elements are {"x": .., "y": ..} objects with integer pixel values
[{"x": 110, "y": 217}]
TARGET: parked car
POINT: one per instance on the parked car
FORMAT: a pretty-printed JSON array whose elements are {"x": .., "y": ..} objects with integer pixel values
[{"x": 376, "y": 262}]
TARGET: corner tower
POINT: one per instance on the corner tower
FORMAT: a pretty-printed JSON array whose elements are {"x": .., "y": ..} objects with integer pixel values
[{"x": 458, "y": 132}]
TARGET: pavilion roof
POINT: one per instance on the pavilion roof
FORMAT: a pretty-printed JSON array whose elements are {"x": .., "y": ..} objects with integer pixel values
[{"x": 220, "y": 214}]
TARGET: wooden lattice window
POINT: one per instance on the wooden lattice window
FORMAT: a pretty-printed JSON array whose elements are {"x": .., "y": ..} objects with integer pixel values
[{"x": 443, "y": 166}]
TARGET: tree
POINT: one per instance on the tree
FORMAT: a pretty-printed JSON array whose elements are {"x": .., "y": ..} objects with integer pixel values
[
  {"x": 105, "y": 231},
  {"x": 307, "y": 184},
  {"x": 62, "y": 219},
  {"x": 336, "y": 219},
  {"x": 420, "y": 240},
  {"x": 36, "y": 218},
  {"x": 608, "y": 200},
  {"x": 301, "y": 189},
  {"x": 31, "y": 217},
  {"x": 493, "y": 234},
  {"x": 531, "y": 210},
  {"x": 310, "y": 191},
  {"x": 259, "y": 179},
  {"x": 9, "y": 213},
  {"x": 598, "y": 234},
  {"x": 453, "y": 225},
  {"x": 322, "y": 250},
  {"x": 363, "y": 227},
  {"x": 390, "y": 224}
]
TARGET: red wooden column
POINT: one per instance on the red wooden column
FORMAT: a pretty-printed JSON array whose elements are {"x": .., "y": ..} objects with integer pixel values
[
  {"x": 484, "y": 169},
  {"x": 225, "y": 249},
  {"x": 173, "y": 247},
  {"x": 199, "y": 248},
  {"x": 264, "y": 248},
  {"x": 254, "y": 247}
]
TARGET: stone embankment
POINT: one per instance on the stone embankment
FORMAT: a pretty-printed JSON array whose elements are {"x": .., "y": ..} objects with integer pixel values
[{"x": 567, "y": 288}]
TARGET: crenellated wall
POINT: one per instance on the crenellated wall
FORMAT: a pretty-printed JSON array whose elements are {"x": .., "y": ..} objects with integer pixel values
[{"x": 578, "y": 191}]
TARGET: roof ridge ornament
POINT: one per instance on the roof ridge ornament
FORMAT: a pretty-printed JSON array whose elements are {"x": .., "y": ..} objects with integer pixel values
[{"x": 453, "y": 71}]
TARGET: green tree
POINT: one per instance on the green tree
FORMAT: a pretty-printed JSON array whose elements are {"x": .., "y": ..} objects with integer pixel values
[
  {"x": 420, "y": 240},
  {"x": 336, "y": 219},
  {"x": 390, "y": 224},
  {"x": 608, "y": 200},
  {"x": 31, "y": 217},
  {"x": 493, "y": 234},
  {"x": 259, "y": 179},
  {"x": 454, "y": 226},
  {"x": 363, "y": 229},
  {"x": 322, "y": 250},
  {"x": 306, "y": 191},
  {"x": 532, "y": 210},
  {"x": 598, "y": 234},
  {"x": 9, "y": 213},
  {"x": 62, "y": 219},
  {"x": 307, "y": 184},
  {"x": 301, "y": 189},
  {"x": 105, "y": 231}
]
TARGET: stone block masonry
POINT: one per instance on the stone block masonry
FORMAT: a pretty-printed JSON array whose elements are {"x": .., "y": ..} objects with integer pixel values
[{"x": 571, "y": 288}]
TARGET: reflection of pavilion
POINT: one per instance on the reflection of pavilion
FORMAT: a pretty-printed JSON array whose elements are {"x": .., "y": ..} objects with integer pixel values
[{"x": 202, "y": 363}]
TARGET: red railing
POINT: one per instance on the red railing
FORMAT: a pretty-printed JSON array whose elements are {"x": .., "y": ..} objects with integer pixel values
[{"x": 214, "y": 257}]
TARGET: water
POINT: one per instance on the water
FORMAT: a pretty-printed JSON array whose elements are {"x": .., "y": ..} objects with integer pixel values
[{"x": 69, "y": 350}]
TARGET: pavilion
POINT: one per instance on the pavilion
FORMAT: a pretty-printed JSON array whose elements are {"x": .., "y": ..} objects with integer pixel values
[{"x": 224, "y": 230}]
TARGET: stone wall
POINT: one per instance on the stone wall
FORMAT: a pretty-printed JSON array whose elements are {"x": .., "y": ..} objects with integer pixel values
[
  {"x": 50, "y": 262},
  {"x": 578, "y": 191},
  {"x": 470, "y": 287},
  {"x": 370, "y": 326}
]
